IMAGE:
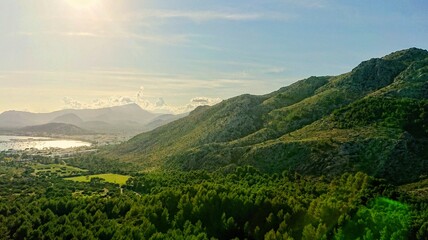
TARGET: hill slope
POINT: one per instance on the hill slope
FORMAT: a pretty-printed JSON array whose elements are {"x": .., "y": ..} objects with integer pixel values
[
  {"x": 372, "y": 119},
  {"x": 69, "y": 118}
]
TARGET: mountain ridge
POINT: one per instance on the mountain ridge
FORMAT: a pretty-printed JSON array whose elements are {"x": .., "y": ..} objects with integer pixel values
[
  {"x": 294, "y": 128},
  {"x": 130, "y": 118},
  {"x": 54, "y": 128}
]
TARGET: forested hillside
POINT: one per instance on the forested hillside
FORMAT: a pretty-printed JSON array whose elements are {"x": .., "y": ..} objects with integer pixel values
[{"x": 372, "y": 119}]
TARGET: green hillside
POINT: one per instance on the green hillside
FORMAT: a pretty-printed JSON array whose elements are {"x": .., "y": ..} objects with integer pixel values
[
  {"x": 304, "y": 162},
  {"x": 372, "y": 119}
]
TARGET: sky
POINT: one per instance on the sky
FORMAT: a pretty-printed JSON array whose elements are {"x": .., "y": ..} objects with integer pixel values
[{"x": 173, "y": 55}]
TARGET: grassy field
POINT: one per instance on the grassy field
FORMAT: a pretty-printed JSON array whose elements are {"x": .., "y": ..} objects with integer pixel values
[
  {"x": 108, "y": 177},
  {"x": 56, "y": 169}
]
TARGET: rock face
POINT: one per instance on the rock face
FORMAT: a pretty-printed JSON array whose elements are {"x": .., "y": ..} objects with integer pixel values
[{"x": 372, "y": 119}]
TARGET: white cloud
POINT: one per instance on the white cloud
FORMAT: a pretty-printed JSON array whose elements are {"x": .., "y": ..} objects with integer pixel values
[
  {"x": 72, "y": 103},
  {"x": 97, "y": 103},
  {"x": 200, "y": 101},
  {"x": 161, "y": 39},
  {"x": 306, "y": 3},
  {"x": 154, "y": 105},
  {"x": 140, "y": 93},
  {"x": 275, "y": 70},
  {"x": 160, "y": 102},
  {"x": 165, "y": 39},
  {"x": 79, "y": 34},
  {"x": 201, "y": 15},
  {"x": 111, "y": 102},
  {"x": 159, "y": 105}
]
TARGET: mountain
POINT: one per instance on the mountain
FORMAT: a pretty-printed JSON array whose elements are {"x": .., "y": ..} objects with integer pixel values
[
  {"x": 18, "y": 119},
  {"x": 69, "y": 118},
  {"x": 162, "y": 120},
  {"x": 53, "y": 129},
  {"x": 129, "y": 118},
  {"x": 113, "y": 115},
  {"x": 373, "y": 119}
]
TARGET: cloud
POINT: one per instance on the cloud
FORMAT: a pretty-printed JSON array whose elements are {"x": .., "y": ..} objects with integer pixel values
[
  {"x": 193, "y": 103},
  {"x": 161, "y": 39},
  {"x": 140, "y": 93},
  {"x": 59, "y": 33},
  {"x": 160, "y": 102},
  {"x": 79, "y": 34},
  {"x": 306, "y": 3},
  {"x": 201, "y": 15},
  {"x": 165, "y": 39},
  {"x": 157, "y": 105},
  {"x": 111, "y": 102},
  {"x": 275, "y": 70},
  {"x": 160, "y": 106},
  {"x": 200, "y": 101},
  {"x": 73, "y": 104},
  {"x": 70, "y": 103}
]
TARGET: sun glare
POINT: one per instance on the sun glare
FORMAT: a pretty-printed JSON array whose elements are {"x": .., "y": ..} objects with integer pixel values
[{"x": 82, "y": 4}]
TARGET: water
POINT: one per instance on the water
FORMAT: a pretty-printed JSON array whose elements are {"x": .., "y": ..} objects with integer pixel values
[{"x": 24, "y": 142}]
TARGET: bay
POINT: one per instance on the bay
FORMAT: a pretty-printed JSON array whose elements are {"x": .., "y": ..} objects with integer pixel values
[{"x": 26, "y": 142}]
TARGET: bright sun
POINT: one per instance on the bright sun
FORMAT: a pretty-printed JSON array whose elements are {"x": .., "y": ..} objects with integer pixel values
[{"x": 82, "y": 4}]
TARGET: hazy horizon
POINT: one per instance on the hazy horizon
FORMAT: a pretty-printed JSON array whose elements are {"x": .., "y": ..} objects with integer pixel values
[
  {"x": 171, "y": 56},
  {"x": 89, "y": 108}
]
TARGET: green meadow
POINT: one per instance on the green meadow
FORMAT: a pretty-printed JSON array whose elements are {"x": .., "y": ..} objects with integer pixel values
[{"x": 108, "y": 177}]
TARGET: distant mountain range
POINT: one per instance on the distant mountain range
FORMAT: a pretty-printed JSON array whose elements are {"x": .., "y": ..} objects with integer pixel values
[
  {"x": 126, "y": 119},
  {"x": 53, "y": 129},
  {"x": 373, "y": 119}
]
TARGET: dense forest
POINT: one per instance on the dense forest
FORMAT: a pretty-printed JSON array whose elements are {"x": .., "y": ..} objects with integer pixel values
[{"x": 238, "y": 203}]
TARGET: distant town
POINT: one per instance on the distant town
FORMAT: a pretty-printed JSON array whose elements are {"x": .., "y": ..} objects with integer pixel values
[{"x": 31, "y": 154}]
